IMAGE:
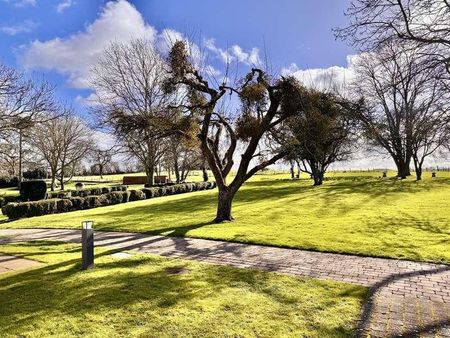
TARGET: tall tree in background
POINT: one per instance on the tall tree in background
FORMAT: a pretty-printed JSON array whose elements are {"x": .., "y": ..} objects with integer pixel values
[
  {"x": 101, "y": 159},
  {"x": 130, "y": 101},
  {"x": 264, "y": 105},
  {"x": 23, "y": 103},
  {"x": 424, "y": 22},
  {"x": 321, "y": 135},
  {"x": 405, "y": 107},
  {"x": 62, "y": 142}
]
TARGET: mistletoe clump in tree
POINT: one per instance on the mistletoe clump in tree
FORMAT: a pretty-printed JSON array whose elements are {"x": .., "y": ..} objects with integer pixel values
[{"x": 264, "y": 104}]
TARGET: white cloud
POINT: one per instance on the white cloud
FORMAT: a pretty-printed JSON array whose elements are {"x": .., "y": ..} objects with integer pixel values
[
  {"x": 63, "y": 5},
  {"x": 235, "y": 53},
  {"x": 73, "y": 56},
  {"x": 118, "y": 21},
  {"x": 24, "y": 27},
  {"x": 323, "y": 78}
]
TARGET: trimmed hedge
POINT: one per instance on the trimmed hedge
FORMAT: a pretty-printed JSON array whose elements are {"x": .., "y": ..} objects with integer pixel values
[
  {"x": 137, "y": 195},
  {"x": 85, "y": 192},
  {"x": 9, "y": 182},
  {"x": 34, "y": 190},
  {"x": 72, "y": 203}
]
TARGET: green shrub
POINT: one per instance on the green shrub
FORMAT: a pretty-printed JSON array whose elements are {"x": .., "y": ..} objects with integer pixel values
[
  {"x": 96, "y": 191},
  {"x": 114, "y": 197},
  {"x": 9, "y": 182},
  {"x": 15, "y": 210},
  {"x": 125, "y": 196},
  {"x": 170, "y": 190},
  {"x": 79, "y": 185},
  {"x": 77, "y": 203},
  {"x": 49, "y": 206},
  {"x": 64, "y": 205},
  {"x": 162, "y": 191},
  {"x": 119, "y": 188},
  {"x": 106, "y": 190},
  {"x": 35, "y": 208},
  {"x": 137, "y": 195},
  {"x": 59, "y": 194},
  {"x": 95, "y": 201},
  {"x": 34, "y": 190}
]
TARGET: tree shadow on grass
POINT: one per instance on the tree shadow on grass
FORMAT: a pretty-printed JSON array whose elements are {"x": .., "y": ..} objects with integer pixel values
[{"x": 140, "y": 289}]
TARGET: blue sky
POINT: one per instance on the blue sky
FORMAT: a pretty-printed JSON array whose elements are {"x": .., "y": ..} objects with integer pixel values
[{"x": 60, "y": 38}]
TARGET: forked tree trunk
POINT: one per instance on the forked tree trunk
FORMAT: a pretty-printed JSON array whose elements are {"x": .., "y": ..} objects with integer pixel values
[
  {"x": 418, "y": 169},
  {"x": 402, "y": 168}
]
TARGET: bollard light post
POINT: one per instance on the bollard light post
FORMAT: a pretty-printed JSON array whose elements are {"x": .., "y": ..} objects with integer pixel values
[{"x": 87, "y": 245}]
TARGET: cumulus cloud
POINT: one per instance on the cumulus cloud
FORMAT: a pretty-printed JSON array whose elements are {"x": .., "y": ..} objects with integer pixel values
[
  {"x": 63, "y": 5},
  {"x": 118, "y": 21},
  {"x": 335, "y": 77},
  {"x": 235, "y": 53},
  {"x": 24, "y": 27},
  {"x": 73, "y": 56}
]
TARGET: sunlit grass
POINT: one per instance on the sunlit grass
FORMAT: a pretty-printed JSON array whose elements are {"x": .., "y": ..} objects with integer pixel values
[
  {"x": 351, "y": 213},
  {"x": 141, "y": 297}
]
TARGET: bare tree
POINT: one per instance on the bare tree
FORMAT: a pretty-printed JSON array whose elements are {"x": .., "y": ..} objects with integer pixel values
[
  {"x": 131, "y": 102},
  {"x": 183, "y": 155},
  {"x": 404, "y": 104},
  {"x": 23, "y": 103},
  {"x": 265, "y": 104},
  {"x": 9, "y": 156},
  {"x": 62, "y": 142},
  {"x": 426, "y": 22},
  {"x": 101, "y": 159}
]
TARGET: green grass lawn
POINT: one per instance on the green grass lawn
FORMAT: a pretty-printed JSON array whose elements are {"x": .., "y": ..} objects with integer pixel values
[
  {"x": 142, "y": 297},
  {"x": 9, "y": 192},
  {"x": 354, "y": 213}
]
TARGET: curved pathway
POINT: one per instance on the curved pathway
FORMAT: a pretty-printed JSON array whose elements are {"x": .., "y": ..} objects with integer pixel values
[{"x": 406, "y": 299}]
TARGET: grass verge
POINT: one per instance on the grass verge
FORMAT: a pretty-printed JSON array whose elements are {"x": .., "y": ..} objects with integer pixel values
[{"x": 146, "y": 295}]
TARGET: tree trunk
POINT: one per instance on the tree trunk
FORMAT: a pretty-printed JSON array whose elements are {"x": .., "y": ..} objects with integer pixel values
[
  {"x": 292, "y": 169},
  {"x": 205, "y": 174},
  {"x": 52, "y": 186},
  {"x": 298, "y": 169},
  {"x": 418, "y": 168},
  {"x": 318, "y": 178},
  {"x": 20, "y": 159},
  {"x": 150, "y": 172},
  {"x": 402, "y": 167},
  {"x": 224, "y": 203},
  {"x": 316, "y": 173},
  {"x": 176, "y": 169}
]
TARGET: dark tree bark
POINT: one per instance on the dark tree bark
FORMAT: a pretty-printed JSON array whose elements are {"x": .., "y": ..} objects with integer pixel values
[
  {"x": 224, "y": 204},
  {"x": 291, "y": 168}
]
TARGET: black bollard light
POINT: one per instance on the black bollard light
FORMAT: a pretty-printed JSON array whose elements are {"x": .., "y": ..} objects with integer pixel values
[{"x": 87, "y": 245}]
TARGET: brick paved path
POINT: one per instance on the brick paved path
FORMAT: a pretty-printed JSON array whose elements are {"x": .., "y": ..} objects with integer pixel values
[{"x": 407, "y": 299}]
